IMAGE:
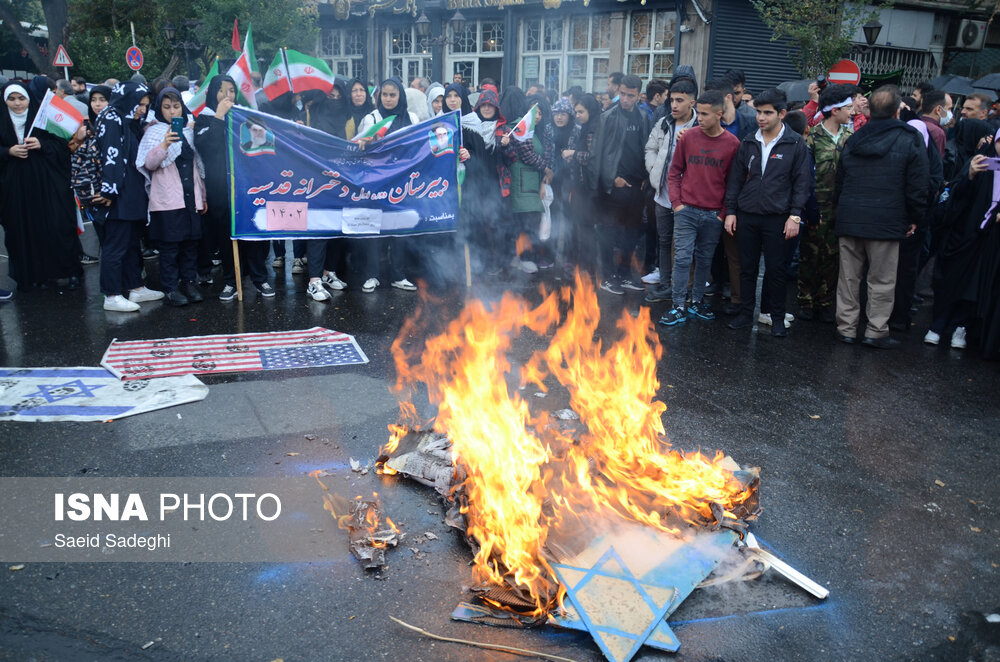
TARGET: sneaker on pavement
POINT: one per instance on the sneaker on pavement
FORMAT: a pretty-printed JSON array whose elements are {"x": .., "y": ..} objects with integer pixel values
[
  {"x": 330, "y": 280},
  {"x": 205, "y": 279},
  {"x": 657, "y": 294},
  {"x": 6, "y": 295},
  {"x": 958, "y": 338},
  {"x": 612, "y": 287},
  {"x": 764, "y": 318},
  {"x": 632, "y": 285},
  {"x": 120, "y": 304},
  {"x": 265, "y": 289},
  {"x": 652, "y": 278},
  {"x": 316, "y": 290},
  {"x": 528, "y": 267},
  {"x": 370, "y": 285},
  {"x": 150, "y": 254},
  {"x": 404, "y": 284},
  {"x": 673, "y": 317},
  {"x": 701, "y": 310},
  {"x": 228, "y": 293},
  {"x": 278, "y": 263},
  {"x": 144, "y": 294},
  {"x": 298, "y": 266},
  {"x": 932, "y": 338},
  {"x": 216, "y": 262},
  {"x": 88, "y": 259}
]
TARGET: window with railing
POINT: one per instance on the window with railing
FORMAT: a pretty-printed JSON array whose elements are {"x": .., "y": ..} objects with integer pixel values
[
  {"x": 478, "y": 40},
  {"x": 566, "y": 51},
  {"x": 406, "y": 58}
]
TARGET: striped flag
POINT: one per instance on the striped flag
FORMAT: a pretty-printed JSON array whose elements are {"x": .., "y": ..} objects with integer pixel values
[
  {"x": 378, "y": 130},
  {"x": 241, "y": 72},
  {"x": 244, "y": 352},
  {"x": 56, "y": 116},
  {"x": 525, "y": 129},
  {"x": 308, "y": 73},
  {"x": 198, "y": 101},
  {"x": 276, "y": 82}
]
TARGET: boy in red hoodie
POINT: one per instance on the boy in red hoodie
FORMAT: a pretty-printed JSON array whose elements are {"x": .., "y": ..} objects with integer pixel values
[{"x": 696, "y": 186}]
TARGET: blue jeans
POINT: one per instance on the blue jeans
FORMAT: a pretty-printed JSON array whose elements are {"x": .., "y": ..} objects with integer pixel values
[{"x": 696, "y": 234}]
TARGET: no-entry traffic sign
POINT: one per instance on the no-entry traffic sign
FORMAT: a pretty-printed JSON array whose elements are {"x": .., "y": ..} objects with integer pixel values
[
  {"x": 845, "y": 72},
  {"x": 133, "y": 57}
]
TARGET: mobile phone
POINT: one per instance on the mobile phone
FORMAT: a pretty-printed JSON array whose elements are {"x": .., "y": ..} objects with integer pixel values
[
  {"x": 992, "y": 163},
  {"x": 177, "y": 125}
]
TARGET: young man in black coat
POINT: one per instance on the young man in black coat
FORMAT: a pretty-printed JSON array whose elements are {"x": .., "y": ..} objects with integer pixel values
[
  {"x": 882, "y": 191},
  {"x": 768, "y": 187}
]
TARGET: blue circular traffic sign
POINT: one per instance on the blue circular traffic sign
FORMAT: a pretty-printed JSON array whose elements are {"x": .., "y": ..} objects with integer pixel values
[{"x": 133, "y": 57}]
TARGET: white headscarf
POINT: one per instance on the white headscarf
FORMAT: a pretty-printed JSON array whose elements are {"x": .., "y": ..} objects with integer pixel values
[{"x": 17, "y": 119}]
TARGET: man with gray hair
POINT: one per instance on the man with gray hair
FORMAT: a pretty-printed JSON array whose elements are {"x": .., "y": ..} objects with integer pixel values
[
  {"x": 420, "y": 84},
  {"x": 183, "y": 84},
  {"x": 64, "y": 90}
]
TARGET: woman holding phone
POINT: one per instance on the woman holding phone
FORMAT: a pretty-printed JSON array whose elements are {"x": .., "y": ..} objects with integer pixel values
[{"x": 176, "y": 196}]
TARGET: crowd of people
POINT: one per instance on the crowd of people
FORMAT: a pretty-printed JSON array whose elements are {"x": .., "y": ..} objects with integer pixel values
[{"x": 676, "y": 191}]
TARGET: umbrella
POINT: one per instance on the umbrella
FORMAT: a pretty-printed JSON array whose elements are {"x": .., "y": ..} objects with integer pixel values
[
  {"x": 990, "y": 93},
  {"x": 989, "y": 81},
  {"x": 796, "y": 90},
  {"x": 942, "y": 80},
  {"x": 959, "y": 85}
]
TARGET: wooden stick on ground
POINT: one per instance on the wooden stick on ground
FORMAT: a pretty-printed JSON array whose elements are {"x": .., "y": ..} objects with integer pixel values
[
  {"x": 504, "y": 649},
  {"x": 236, "y": 266}
]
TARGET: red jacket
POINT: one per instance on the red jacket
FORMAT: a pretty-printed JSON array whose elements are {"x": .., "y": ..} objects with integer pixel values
[{"x": 699, "y": 169}]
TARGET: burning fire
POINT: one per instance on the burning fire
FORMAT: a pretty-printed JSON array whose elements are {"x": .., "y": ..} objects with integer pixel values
[{"x": 523, "y": 475}]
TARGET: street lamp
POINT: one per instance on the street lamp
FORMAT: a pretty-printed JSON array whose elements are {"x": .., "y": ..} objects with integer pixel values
[
  {"x": 871, "y": 30},
  {"x": 423, "y": 25},
  {"x": 181, "y": 41}
]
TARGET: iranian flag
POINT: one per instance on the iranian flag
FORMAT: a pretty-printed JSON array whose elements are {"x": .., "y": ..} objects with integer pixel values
[
  {"x": 276, "y": 82},
  {"x": 525, "y": 129},
  {"x": 56, "y": 116},
  {"x": 199, "y": 100},
  {"x": 241, "y": 70},
  {"x": 308, "y": 73},
  {"x": 377, "y": 131}
]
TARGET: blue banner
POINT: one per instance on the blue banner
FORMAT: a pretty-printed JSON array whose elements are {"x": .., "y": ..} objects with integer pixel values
[{"x": 290, "y": 181}]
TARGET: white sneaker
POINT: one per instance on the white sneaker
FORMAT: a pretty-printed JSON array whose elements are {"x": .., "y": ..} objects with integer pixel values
[
  {"x": 404, "y": 284},
  {"x": 933, "y": 338},
  {"x": 298, "y": 266},
  {"x": 529, "y": 267},
  {"x": 120, "y": 304},
  {"x": 144, "y": 294},
  {"x": 652, "y": 278},
  {"x": 765, "y": 318},
  {"x": 330, "y": 280},
  {"x": 370, "y": 285},
  {"x": 958, "y": 338},
  {"x": 316, "y": 291}
]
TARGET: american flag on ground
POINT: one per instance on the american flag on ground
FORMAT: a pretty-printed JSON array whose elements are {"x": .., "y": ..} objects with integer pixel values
[{"x": 243, "y": 352}]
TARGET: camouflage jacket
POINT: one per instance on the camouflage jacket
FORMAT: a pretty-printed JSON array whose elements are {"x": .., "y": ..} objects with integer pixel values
[{"x": 826, "y": 154}]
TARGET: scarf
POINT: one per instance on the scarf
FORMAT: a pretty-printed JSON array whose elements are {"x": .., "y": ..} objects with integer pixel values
[
  {"x": 19, "y": 120},
  {"x": 996, "y": 192},
  {"x": 401, "y": 111}
]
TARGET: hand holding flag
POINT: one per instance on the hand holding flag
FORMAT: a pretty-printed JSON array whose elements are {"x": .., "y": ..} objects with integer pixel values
[{"x": 377, "y": 131}]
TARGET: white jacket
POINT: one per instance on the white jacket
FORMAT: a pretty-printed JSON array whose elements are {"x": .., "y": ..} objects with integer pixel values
[{"x": 660, "y": 148}]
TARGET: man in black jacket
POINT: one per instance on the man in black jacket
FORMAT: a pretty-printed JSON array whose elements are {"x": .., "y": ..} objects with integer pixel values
[
  {"x": 882, "y": 190},
  {"x": 768, "y": 187},
  {"x": 617, "y": 174}
]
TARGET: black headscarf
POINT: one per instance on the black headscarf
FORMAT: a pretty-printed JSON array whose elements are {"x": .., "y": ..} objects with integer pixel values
[
  {"x": 513, "y": 103},
  {"x": 401, "y": 111},
  {"x": 125, "y": 97},
  {"x": 158, "y": 112},
  {"x": 212, "y": 93},
  {"x": 38, "y": 87},
  {"x": 358, "y": 112},
  {"x": 544, "y": 106},
  {"x": 104, "y": 91},
  {"x": 463, "y": 94},
  {"x": 589, "y": 101}
]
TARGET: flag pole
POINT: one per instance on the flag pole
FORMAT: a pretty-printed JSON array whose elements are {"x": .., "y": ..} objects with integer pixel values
[
  {"x": 236, "y": 268},
  {"x": 288, "y": 71}
]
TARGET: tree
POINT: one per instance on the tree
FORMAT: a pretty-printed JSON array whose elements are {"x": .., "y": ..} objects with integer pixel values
[
  {"x": 819, "y": 31},
  {"x": 55, "y": 14}
]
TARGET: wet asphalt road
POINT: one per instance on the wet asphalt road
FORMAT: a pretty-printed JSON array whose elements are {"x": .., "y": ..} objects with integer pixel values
[{"x": 878, "y": 480}]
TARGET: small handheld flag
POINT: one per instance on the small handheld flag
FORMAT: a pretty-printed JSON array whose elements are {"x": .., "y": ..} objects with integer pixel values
[
  {"x": 277, "y": 81},
  {"x": 525, "y": 129},
  {"x": 57, "y": 116},
  {"x": 241, "y": 72},
  {"x": 200, "y": 98},
  {"x": 377, "y": 131}
]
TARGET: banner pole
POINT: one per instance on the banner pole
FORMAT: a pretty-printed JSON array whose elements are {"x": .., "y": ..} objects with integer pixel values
[{"x": 236, "y": 267}]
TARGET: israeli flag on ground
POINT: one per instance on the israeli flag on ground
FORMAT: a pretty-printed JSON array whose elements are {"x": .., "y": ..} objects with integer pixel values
[{"x": 88, "y": 394}]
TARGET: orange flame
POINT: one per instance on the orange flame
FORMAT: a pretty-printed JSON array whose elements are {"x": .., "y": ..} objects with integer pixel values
[
  {"x": 523, "y": 476},
  {"x": 523, "y": 244}
]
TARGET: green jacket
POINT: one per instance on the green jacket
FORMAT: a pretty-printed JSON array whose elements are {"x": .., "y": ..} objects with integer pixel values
[
  {"x": 525, "y": 183},
  {"x": 826, "y": 155}
]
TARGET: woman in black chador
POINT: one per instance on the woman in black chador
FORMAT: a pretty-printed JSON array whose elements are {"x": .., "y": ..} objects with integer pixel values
[{"x": 36, "y": 202}]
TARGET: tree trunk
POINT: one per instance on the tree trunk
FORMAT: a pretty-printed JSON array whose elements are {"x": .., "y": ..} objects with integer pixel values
[
  {"x": 12, "y": 21},
  {"x": 57, "y": 20},
  {"x": 168, "y": 71}
]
